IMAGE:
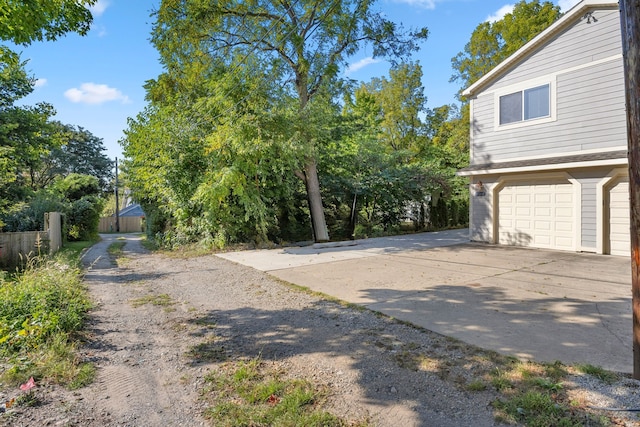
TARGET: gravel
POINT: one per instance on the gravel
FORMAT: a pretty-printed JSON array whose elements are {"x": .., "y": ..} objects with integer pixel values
[{"x": 152, "y": 354}]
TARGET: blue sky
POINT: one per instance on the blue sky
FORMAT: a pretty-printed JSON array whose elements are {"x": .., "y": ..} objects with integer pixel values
[{"x": 96, "y": 81}]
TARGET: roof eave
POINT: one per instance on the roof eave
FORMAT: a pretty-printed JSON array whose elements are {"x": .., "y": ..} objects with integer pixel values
[{"x": 546, "y": 35}]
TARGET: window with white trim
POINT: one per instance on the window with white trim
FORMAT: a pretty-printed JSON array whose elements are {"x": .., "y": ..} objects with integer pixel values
[{"x": 528, "y": 104}]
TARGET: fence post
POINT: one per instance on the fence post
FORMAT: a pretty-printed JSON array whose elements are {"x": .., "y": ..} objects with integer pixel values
[{"x": 53, "y": 225}]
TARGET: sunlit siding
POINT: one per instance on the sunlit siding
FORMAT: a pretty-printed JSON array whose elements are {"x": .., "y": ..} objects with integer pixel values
[{"x": 586, "y": 64}]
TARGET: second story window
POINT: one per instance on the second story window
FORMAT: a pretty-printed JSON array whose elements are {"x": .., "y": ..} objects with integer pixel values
[{"x": 525, "y": 105}]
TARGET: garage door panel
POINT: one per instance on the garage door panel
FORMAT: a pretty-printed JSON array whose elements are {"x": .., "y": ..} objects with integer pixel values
[
  {"x": 564, "y": 226},
  {"x": 564, "y": 213},
  {"x": 542, "y": 198},
  {"x": 541, "y": 215},
  {"x": 543, "y": 225},
  {"x": 541, "y": 240}
]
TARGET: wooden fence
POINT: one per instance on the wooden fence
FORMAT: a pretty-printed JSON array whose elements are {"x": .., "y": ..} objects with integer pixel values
[
  {"x": 128, "y": 224},
  {"x": 16, "y": 248}
]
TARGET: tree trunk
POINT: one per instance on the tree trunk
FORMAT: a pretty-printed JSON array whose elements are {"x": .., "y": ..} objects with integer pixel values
[
  {"x": 353, "y": 217},
  {"x": 630, "y": 25},
  {"x": 321, "y": 234}
]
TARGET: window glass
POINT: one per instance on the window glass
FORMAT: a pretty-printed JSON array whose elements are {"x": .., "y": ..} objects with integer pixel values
[
  {"x": 511, "y": 108},
  {"x": 536, "y": 102}
]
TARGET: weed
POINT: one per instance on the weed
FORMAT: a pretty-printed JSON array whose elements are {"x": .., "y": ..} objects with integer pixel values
[
  {"x": 208, "y": 351},
  {"x": 115, "y": 249},
  {"x": 149, "y": 244},
  {"x": 28, "y": 399},
  {"x": 42, "y": 309},
  {"x": 85, "y": 375},
  {"x": 162, "y": 300},
  {"x": 500, "y": 380},
  {"x": 248, "y": 393},
  {"x": 531, "y": 408},
  {"x": 598, "y": 372},
  {"x": 477, "y": 385}
]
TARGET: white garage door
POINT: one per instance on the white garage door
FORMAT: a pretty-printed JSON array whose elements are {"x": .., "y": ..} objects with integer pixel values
[
  {"x": 619, "y": 225},
  {"x": 538, "y": 215}
]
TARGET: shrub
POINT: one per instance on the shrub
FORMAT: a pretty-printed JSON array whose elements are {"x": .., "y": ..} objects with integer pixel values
[{"x": 47, "y": 299}]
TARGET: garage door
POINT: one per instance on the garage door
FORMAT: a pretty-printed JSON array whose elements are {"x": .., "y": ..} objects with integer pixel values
[
  {"x": 619, "y": 235},
  {"x": 538, "y": 215}
]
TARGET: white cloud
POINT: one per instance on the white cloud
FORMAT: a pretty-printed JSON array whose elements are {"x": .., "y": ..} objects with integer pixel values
[
  {"x": 91, "y": 93},
  {"x": 99, "y": 8},
  {"x": 361, "y": 64},
  {"x": 39, "y": 83},
  {"x": 567, "y": 4},
  {"x": 507, "y": 8},
  {"x": 426, "y": 4},
  {"x": 101, "y": 29}
]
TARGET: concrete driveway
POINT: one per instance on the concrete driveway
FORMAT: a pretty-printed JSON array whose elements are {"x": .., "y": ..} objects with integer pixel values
[{"x": 532, "y": 303}]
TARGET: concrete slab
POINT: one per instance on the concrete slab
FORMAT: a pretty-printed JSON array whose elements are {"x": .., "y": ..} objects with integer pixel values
[
  {"x": 535, "y": 304},
  {"x": 275, "y": 259}
]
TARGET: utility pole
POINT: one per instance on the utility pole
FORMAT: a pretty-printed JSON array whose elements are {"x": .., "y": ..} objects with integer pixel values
[
  {"x": 117, "y": 203},
  {"x": 630, "y": 25}
]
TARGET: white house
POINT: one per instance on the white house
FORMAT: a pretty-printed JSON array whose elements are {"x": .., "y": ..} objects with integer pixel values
[{"x": 549, "y": 140}]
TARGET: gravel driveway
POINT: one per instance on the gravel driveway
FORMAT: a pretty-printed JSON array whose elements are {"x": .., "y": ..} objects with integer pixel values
[{"x": 150, "y": 375}]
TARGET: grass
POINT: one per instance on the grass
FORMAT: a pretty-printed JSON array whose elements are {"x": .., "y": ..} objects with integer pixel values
[
  {"x": 42, "y": 312},
  {"x": 160, "y": 300},
  {"x": 529, "y": 393},
  {"x": 115, "y": 251},
  {"x": 250, "y": 393},
  {"x": 532, "y": 394},
  {"x": 75, "y": 249},
  {"x": 149, "y": 244},
  {"x": 595, "y": 371}
]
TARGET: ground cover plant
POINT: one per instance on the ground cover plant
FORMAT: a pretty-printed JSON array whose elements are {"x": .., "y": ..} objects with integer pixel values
[
  {"x": 42, "y": 311},
  {"x": 527, "y": 393},
  {"x": 251, "y": 393}
]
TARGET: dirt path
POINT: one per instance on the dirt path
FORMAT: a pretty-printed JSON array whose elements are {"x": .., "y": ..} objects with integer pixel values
[{"x": 161, "y": 324}]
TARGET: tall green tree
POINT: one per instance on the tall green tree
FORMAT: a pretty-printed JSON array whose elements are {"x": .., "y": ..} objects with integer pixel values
[
  {"x": 26, "y": 21},
  {"x": 379, "y": 163},
  {"x": 26, "y": 135},
  {"x": 492, "y": 42},
  {"x": 302, "y": 44},
  {"x": 77, "y": 151},
  {"x": 402, "y": 101}
]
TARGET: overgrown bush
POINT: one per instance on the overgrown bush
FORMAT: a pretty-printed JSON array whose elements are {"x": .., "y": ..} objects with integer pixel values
[
  {"x": 83, "y": 217},
  {"x": 30, "y": 216},
  {"x": 40, "y": 310},
  {"x": 43, "y": 302}
]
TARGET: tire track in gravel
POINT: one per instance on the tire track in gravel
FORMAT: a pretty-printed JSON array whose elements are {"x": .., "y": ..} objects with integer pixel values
[
  {"x": 148, "y": 378},
  {"x": 142, "y": 378}
]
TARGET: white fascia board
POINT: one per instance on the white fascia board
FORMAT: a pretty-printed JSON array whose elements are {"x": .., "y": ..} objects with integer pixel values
[
  {"x": 547, "y": 167},
  {"x": 575, "y": 12}
]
